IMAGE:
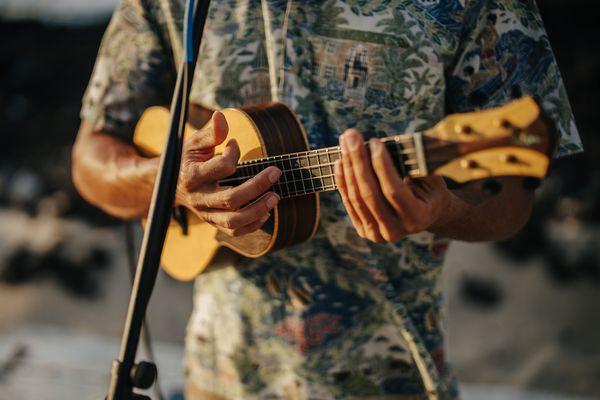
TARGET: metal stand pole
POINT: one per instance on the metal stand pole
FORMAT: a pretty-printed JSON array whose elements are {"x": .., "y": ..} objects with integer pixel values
[{"x": 126, "y": 374}]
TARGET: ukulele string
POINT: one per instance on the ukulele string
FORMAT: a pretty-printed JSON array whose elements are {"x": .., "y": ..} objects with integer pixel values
[
  {"x": 319, "y": 167},
  {"x": 316, "y": 153},
  {"x": 331, "y": 151},
  {"x": 313, "y": 153}
]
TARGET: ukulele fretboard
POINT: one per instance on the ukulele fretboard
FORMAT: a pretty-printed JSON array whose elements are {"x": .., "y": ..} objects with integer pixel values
[{"x": 313, "y": 171}]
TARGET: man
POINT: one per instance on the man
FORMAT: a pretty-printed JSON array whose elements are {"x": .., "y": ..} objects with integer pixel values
[{"x": 355, "y": 312}]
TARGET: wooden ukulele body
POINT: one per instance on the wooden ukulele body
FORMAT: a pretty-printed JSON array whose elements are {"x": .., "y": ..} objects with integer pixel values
[{"x": 260, "y": 131}]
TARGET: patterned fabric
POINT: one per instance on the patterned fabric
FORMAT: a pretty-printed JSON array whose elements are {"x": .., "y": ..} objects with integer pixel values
[{"x": 337, "y": 317}]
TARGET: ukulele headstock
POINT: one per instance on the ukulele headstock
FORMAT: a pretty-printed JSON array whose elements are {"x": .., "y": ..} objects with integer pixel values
[{"x": 511, "y": 140}]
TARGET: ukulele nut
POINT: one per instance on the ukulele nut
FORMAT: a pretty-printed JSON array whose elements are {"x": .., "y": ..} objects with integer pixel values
[{"x": 528, "y": 138}]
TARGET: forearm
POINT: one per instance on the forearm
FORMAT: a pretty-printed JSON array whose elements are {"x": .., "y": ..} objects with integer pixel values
[
  {"x": 110, "y": 174},
  {"x": 495, "y": 218}
]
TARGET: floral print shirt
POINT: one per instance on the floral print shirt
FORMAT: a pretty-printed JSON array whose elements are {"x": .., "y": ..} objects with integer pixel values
[{"x": 337, "y": 317}]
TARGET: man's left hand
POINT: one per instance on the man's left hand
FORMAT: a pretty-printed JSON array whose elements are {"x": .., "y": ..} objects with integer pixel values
[{"x": 382, "y": 206}]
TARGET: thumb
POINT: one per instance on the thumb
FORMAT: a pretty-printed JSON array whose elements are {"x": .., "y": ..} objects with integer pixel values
[
  {"x": 220, "y": 127},
  {"x": 211, "y": 135}
]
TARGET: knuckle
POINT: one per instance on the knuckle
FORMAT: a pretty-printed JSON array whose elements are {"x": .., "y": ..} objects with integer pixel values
[
  {"x": 230, "y": 169},
  {"x": 390, "y": 193},
  {"x": 188, "y": 178},
  {"x": 229, "y": 201},
  {"x": 225, "y": 202},
  {"x": 354, "y": 197},
  {"x": 369, "y": 226},
  {"x": 386, "y": 234},
  {"x": 206, "y": 217},
  {"x": 390, "y": 234},
  {"x": 228, "y": 223},
  {"x": 263, "y": 183},
  {"x": 236, "y": 221},
  {"x": 368, "y": 195},
  {"x": 373, "y": 238}
]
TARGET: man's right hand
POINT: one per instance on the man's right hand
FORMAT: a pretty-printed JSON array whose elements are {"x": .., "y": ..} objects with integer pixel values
[{"x": 233, "y": 210}]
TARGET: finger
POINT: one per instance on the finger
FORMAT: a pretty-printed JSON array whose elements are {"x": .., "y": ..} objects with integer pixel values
[
  {"x": 368, "y": 222},
  {"x": 235, "y": 197},
  {"x": 341, "y": 184},
  {"x": 233, "y": 220},
  {"x": 396, "y": 190},
  {"x": 202, "y": 142},
  {"x": 252, "y": 227},
  {"x": 220, "y": 166},
  {"x": 366, "y": 181}
]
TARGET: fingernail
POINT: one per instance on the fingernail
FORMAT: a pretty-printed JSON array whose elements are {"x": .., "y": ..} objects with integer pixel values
[
  {"x": 274, "y": 175},
  {"x": 352, "y": 141},
  {"x": 375, "y": 146},
  {"x": 272, "y": 201},
  {"x": 343, "y": 144},
  {"x": 265, "y": 218}
]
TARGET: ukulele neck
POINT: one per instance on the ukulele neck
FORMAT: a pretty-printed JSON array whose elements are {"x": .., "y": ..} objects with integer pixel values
[{"x": 311, "y": 171}]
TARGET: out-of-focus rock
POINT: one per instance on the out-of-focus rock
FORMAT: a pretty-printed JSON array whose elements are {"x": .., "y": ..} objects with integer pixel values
[{"x": 24, "y": 187}]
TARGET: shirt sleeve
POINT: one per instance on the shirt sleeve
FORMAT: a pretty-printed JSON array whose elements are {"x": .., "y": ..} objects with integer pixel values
[
  {"x": 133, "y": 71},
  {"x": 504, "y": 53}
]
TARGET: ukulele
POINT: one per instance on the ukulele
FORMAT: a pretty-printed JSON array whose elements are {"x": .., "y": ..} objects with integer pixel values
[{"x": 512, "y": 140}]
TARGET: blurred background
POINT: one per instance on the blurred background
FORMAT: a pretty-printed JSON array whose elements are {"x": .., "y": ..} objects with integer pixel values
[{"x": 523, "y": 315}]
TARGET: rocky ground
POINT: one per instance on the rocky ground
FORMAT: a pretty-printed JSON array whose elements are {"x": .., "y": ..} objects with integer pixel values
[{"x": 521, "y": 315}]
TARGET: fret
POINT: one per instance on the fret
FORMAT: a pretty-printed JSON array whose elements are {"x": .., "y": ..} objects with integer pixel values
[
  {"x": 314, "y": 165},
  {"x": 278, "y": 186},
  {"x": 315, "y": 170},
  {"x": 309, "y": 177},
  {"x": 297, "y": 173},
  {"x": 320, "y": 169},
  {"x": 321, "y": 189},
  {"x": 277, "y": 161},
  {"x": 290, "y": 170},
  {"x": 329, "y": 180}
]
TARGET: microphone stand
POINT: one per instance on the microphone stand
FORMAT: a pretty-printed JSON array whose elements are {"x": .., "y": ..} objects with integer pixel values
[{"x": 125, "y": 373}]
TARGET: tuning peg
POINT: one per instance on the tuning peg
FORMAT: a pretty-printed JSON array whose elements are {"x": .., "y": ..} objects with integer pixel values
[
  {"x": 469, "y": 164},
  {"x": 464, "y": 129},
  {"x": 491, "y": 187},
  {"x": 509, "y": 159},
  {"x": 501, "y": 123}
]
